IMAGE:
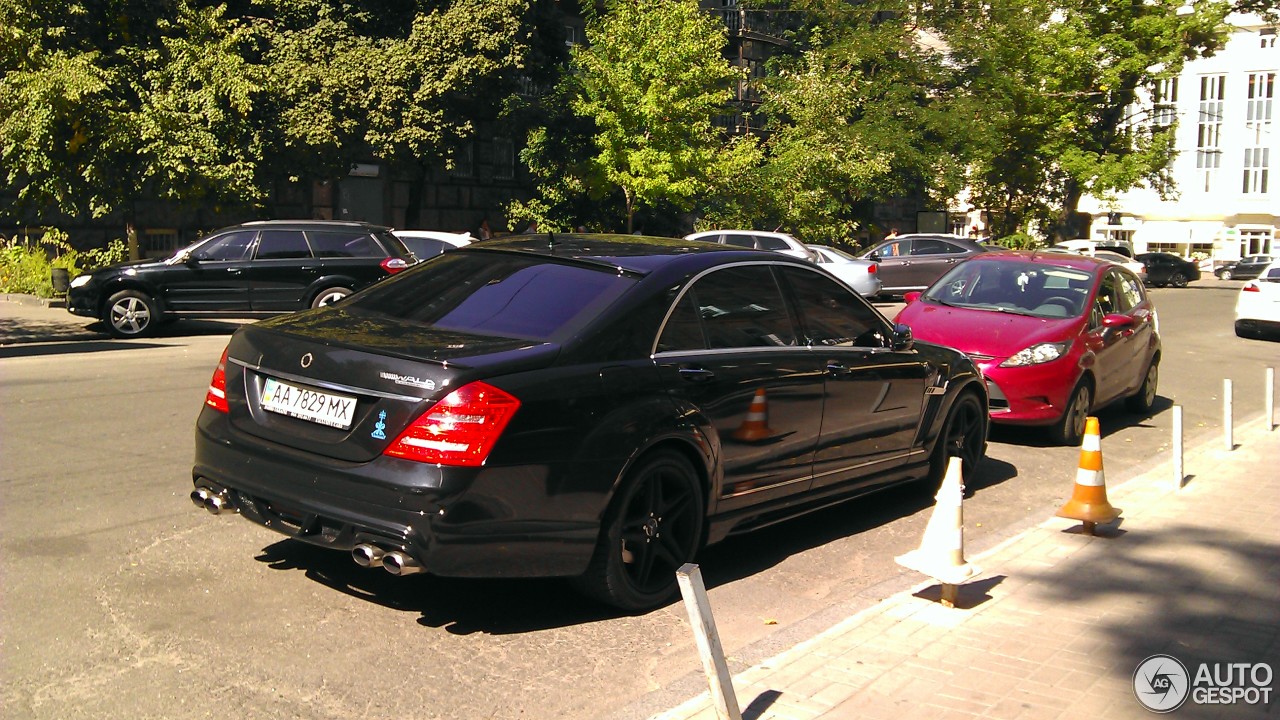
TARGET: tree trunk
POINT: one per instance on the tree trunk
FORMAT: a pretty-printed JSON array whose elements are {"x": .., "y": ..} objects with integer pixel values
[
  {"x": 131, "y": 235},
  {"x": 1068, "y": 228},
  {"x": 417, "y": 186}
]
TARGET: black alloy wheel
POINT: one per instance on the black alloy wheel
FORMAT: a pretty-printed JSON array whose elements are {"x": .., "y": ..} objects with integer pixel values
[
  {"x": 652, "y": 528},
  {"x": 1070, "y": 429},
  {"x": 1178, "y": 280},
  {"x": 129, "y": 314},
  {"x": 964, "y": 435}
]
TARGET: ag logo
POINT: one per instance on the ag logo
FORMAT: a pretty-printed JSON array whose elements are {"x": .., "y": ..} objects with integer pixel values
[{"x": 1161, "y": 683}]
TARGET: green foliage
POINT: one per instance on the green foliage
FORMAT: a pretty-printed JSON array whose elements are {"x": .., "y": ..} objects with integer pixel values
[
  {"x": 1020, "y": 241},
  {"x": 650, "y": 82},
  {"x": 27, "y": 263}
]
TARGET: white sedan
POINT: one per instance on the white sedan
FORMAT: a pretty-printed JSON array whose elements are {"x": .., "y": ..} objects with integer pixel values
[
  {"x": 1258, "y": 304},
  {"x": 861, "y": 275}
]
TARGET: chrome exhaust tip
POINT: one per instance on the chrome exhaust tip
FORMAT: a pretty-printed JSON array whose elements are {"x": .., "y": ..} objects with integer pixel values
[
  {"x": 218, "y": 502},
  {"x": 367, "y": 555},
  {"x": 399, "y": 564},
  {"x": 200, "y": 496}
]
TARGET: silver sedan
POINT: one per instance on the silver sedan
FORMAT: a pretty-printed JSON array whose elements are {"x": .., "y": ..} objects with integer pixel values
[{"x": 861, "y": 275}]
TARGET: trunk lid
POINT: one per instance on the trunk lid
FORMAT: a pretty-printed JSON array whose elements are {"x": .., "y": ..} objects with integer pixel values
[{"x": 345, "y": 386}]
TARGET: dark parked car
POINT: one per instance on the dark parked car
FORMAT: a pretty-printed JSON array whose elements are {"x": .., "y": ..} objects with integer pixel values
[
  {"x": 596, "y": 407},
  {"x": 913, "y": 262},
  {"x": 1246, "y": 268},
  {"x": 256, "y": 269},
  {"x": 1168, "y": 269}
]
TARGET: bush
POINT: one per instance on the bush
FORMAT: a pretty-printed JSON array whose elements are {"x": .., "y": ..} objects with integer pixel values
[{"x": 26, "y": 263}]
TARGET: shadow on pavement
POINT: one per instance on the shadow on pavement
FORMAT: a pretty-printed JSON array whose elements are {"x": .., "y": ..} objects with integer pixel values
[
  {"x": 499, "y": 606},
  {"x": 70, "y": 347}
]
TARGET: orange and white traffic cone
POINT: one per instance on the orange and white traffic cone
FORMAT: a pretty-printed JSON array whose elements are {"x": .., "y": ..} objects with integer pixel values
[
  {"x": 756, "y": 426},
  {"x": 941, "y": 551},
  {"x": 1088, "y": 502}
]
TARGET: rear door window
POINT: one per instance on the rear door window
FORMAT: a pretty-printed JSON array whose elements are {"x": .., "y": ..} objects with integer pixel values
[
  {"x": 739, "y": 307},
  {"x": 283, "y": 245},
  {"x": 745, "y": 241}
]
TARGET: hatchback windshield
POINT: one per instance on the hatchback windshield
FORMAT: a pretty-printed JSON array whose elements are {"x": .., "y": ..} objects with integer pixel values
[
  {"x": 493, "y": 294},
  {"x": 1009, "y": 286}
]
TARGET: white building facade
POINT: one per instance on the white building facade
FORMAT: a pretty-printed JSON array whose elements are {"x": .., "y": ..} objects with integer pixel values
[{"x": 1227, "y": 199}]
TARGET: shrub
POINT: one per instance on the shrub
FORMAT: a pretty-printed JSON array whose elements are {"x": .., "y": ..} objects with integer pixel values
[{"x": 27, "y": 263}]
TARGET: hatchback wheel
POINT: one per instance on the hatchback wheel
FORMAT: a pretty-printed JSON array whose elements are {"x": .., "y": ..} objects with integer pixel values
[
  {"x": 1178, "y": 280},
  {"x": 1070, "y": 429},
  {"x": 1224, "y": 274},
  {"x": 130, "y": 313},
  {"x": 652, "y": 528},
  {"x": 1142, "y": 401},
  {"x": 964, "y": 435}
]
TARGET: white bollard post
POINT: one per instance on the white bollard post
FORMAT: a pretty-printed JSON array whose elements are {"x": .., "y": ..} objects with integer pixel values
[
  {"x": 689, "y": 576},
  {"x": 1179, "y": 475},
  {"x": 1226, "y": 415},
  {"x": 1271, "y": 399}
]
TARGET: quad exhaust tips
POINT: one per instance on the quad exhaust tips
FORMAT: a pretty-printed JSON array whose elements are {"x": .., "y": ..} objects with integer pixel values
[
  {"x": 396, "y": 562},
  {"x": 214, "y": 502}
]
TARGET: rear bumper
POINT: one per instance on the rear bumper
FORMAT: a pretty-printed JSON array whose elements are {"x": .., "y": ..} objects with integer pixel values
[{"x": 441, "y": 517}]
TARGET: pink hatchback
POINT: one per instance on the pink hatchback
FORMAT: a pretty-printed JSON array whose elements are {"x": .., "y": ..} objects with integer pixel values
[{"x": 1056, "y": 335}]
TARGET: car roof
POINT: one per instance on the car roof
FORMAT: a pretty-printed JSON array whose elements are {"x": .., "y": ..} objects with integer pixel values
[
  {"x": 313, "y": 224},
  {"x": 1045, "y": 257},
  {"x": 639, "y": 254},
  {"x": 958, "y": 239},
  {"x": 727, "y": 231}
]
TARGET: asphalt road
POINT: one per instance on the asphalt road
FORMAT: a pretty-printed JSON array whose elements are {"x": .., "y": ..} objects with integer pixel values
[{"x": 121, "y": 600}]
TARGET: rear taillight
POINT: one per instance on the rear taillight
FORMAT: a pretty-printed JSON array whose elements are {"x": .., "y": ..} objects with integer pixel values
[
  {"x": 394, "y": 265},
  {"x": 1251, "y": 287},
  {"x": 873, "y": 268},
  {"x": 458, "y": 430},
  {"x": 216, "y": 398}
]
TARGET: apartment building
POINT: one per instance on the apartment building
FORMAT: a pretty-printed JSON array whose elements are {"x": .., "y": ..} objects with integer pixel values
[{"x": 1227, "y": 203}]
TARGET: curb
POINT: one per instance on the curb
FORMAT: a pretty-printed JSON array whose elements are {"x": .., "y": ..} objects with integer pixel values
[{"x": 23, "y": 299}]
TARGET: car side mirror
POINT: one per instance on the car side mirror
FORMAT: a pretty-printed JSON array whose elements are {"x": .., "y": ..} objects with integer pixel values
[
  {"x": 189, "y": 259},
  {"x": 902, "y": 338},
  {"x": 911, "y": 297},
  {"x": 874, "y": 257},
  {"x": 1116, "y": 320}
]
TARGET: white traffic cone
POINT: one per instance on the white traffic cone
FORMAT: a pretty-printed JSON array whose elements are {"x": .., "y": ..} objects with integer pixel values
[{"x": 941, "y": 551}]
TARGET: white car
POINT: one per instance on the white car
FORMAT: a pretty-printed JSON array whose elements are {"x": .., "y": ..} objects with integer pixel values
[
  {"x": 861, "y": 275},
  {"x": 759, "y": 240},
  {"x": 426, "y": 244},
  {"x": 1258, "y": 304},
  {"x": 1134, "y": 266}
]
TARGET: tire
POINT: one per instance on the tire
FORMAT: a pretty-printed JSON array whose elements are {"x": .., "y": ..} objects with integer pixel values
[
  {"x": 1070, "y": 429},
  {"x": 130, "y": 314},
  {"x": 1142, "y": 401},
  {"x": 329, "y": 296},
  {"x": 1224, "y": 274},
  {"x": 1178, "y": 280},
  {"x": 653, "y": 526},
  {"x": 963, "y": 435}
]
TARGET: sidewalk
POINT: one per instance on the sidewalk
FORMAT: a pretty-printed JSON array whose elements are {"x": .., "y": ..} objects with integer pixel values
[{"x": 1058, "y": 622}]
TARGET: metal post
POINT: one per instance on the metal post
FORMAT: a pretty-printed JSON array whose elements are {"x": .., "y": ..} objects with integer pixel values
[
  {"x": 1179, "y": 475},
  {"x": 689, "y": 576},
  {"x": 1226, "y": 415},
  {"x": 1271, "y": 399}
]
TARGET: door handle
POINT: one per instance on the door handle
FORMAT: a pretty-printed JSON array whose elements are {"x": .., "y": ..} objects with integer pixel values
[{"x": 694, "y": 373}]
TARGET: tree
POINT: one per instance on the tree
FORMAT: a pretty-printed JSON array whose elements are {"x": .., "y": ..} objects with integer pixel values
[
  {"x": 1059, "y": 82},
  {"x": 649, "y": 83},
  {"x": 104, "y": 102}
]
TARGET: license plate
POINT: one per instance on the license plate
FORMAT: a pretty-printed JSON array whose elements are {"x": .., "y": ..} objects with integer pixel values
[{"x": 319, "y": 407}]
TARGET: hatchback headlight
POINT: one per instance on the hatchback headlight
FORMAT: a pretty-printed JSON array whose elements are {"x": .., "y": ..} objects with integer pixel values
[
  {"x": 81, "y": 280},
  {"x": 1037, "y": 354}
]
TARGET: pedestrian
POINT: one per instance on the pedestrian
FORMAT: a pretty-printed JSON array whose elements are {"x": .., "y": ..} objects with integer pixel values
[
  {"x": 484, "y": 233},
  {"x": 533, "y": 228}
]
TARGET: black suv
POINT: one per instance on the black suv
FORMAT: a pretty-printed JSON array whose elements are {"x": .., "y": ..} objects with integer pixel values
[{"x": 256, "y": 269}]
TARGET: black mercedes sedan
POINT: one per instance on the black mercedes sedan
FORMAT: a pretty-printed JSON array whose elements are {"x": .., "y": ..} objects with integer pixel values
[{"x": 588, "y": 406}]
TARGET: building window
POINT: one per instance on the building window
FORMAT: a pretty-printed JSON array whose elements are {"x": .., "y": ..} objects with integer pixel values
[
  {"x": 1164, "y": 98},
  {"x": 1209, "y": 130},
  {"x": 570, "y": 35},
  {"x": 1256, "y": 242},
  {"x": 464, "y": 162},
  {"x": 504, "y": 159},
  {"x": 1267, "y": 38},
  {"x": 1257, "y": 153}
]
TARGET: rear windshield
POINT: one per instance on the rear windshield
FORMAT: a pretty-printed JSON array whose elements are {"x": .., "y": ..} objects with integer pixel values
[{"x": 487, "y": 293}]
